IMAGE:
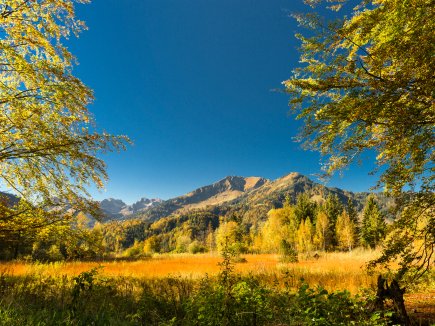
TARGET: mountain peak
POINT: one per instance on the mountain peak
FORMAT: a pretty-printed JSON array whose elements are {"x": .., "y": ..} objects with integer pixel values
[
  {"x": 238, "y": 183},
  {"x": 116, "y": 208},
  {"x": 292, "y": 175}
]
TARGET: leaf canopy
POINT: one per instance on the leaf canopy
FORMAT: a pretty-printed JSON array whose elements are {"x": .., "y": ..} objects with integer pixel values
[
  {"x": 367, "y": 82},
  {"x": 48, "y": 140}
]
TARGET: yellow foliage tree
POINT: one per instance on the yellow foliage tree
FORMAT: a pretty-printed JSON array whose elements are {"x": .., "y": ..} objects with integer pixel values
[
  {"x": 322, "y": 232},
  {"x": 345, "y": 231},
  {"x": 151, "y": 245},
  {"x": 228, "y": 236},
  {"x": 48, "y": 142},
  {"x": 280, "y": 225},
  {"x": 366, "y": 83},
  {"x": 305, "y": 236}
]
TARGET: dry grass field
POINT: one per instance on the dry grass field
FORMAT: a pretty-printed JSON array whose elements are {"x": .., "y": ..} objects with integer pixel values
[{"x": 334, "y": 271}]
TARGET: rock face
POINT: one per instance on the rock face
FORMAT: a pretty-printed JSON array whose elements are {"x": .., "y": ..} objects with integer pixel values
[
  {"x": 117, "y": 209},
  {"x": 221, "y": 191},
  {"x": 252, "y": 193},
  {"x": 112, "y": 206}
]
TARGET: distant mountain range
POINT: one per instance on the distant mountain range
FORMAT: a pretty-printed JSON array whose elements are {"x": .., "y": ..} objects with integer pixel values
[
  {"x": 9, "y": 199},
  {"x": 117, "y": 209},
  {"x": 217, "y": 193},
  {"x": 234, "y": 193}
]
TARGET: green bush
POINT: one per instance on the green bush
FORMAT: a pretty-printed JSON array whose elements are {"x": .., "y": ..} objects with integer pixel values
[
  {"x": 196, "y": 247},
  {"x": 288, "y": 253},
  {"x": 46, "y": 252}
]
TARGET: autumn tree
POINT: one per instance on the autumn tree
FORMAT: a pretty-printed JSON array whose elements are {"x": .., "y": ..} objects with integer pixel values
[
  {"x": 210, "y": 239},
  {"x": 273, "y": 231},
  {"x": 48, "y": 140},
  {"x": 322, "y": 235},
  {"x": 345, "y": 231},
  {"x": 280, "y": 226},
  {"x": 182, "y": 243},
  {"x": 228, "y": 235},
  {"x": 19, "y": 227},
  {"x": 152, "y": 244},
  {"x": 367, "y": 83},
  {"x": 305, "y": 236}
]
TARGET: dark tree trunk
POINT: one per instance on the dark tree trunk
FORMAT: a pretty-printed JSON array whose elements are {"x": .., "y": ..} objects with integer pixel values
[
  {"x": 395, "y": 294},
  {"x": 17, "y": 246}
]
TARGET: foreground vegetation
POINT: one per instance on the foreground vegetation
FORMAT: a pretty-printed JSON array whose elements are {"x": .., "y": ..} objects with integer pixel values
[
  {"x": 195, "y": 290},
  {"x": 226, "y": 300}
]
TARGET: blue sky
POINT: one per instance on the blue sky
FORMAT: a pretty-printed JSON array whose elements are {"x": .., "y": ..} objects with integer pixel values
[{"x": 190, "y": 81}]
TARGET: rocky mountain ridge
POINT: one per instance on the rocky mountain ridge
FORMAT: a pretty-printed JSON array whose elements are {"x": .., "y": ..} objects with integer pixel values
[
  {"x": 245, "y": 195},
  {"x": 232, "y": 193},
  {"x": 117, "y": 209}
]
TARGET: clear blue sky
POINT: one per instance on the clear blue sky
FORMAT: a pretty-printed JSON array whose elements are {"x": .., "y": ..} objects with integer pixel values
[{"x": 190, "y": 82}]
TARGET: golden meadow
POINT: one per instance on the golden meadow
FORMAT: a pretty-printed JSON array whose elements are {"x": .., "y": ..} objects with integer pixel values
[
  {"x": 333, "y": 271},
  {"x": 188, "y": 289}
]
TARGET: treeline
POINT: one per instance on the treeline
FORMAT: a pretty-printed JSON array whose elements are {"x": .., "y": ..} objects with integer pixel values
[
  {"x": 307, "y": 227},
  {"x": 302, "y": 226},
  {"x": 299, "y": 228}
]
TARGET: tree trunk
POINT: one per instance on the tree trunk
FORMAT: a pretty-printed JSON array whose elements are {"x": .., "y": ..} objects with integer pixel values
[
  {"x": 17, "y": 246},
  {"x": 395, "y": 293}
]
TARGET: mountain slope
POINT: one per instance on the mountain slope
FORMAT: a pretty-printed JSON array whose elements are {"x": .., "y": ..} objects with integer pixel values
[
  {"x": 275, "y": 192},
  {"x": 219, "y": 192},
  {"x": 246, "y": 195},
  {"x": 8, "y": 198},
  {"x": 216, "y": 194},
  {"x": 246, "y": 201}
]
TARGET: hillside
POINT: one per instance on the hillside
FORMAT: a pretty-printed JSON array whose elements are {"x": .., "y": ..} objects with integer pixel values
[
  {"x": 275, "y": 192},
  {"x": 246, "y": 201},
  {"x": 219, "y": 193},
  {"x": 247, "y": 195},
  {"x": 9, "y": 198}
]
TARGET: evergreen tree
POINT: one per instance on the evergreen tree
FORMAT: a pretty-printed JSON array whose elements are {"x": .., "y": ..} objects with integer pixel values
[
  {"x": 304, "y": 208},
  {"x": 333, "y": 209},
  {"x": 353, "y": 215},
  {"x": 373, "y": 227},
  {"x": 351, "y": 211}
]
